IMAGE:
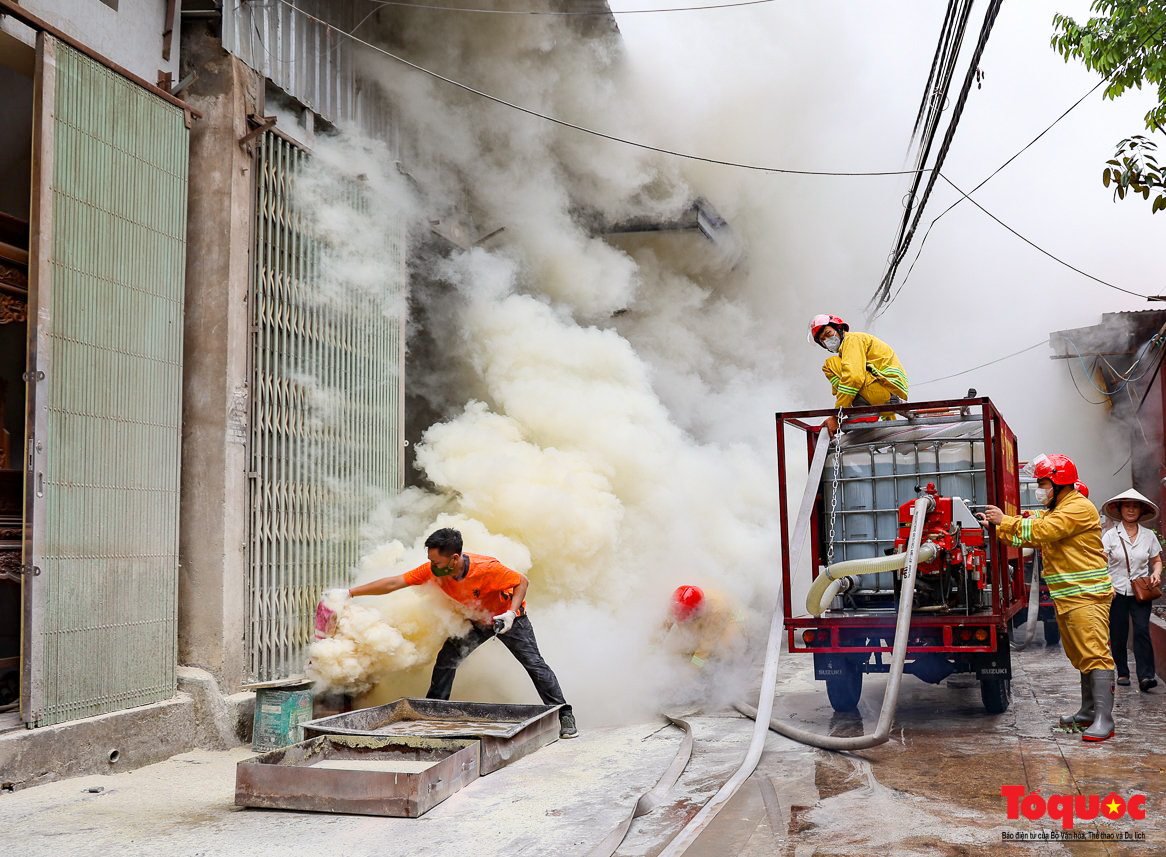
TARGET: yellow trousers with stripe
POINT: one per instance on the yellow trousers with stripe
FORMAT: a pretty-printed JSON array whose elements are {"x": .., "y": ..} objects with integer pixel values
[{"x": 1085, "y": 637}]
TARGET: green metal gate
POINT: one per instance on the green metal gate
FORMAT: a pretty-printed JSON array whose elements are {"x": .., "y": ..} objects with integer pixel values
[
  {"x": 104, "y": 391},
  {"x": 326, "y": 416}
]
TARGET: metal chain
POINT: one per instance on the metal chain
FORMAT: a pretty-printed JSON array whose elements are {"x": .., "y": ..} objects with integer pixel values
[{"x": 834, "y": 489}]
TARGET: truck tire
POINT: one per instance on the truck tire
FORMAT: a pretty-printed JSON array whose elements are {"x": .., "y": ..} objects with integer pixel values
[
  {"x": 996, "y": 693},
  {"x": 845, "y": 690},
  {"x": 1052, "y": 634}
]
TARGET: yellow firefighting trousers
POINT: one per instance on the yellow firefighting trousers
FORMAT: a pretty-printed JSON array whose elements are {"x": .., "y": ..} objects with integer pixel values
[{"x": 1085, "y": 637}]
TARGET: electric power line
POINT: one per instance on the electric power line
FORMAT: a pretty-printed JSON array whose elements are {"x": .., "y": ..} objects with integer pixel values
[
  {"x": 993, "y": 174},
  {"x": 1022, "y": 150},
  {"x": 982, "y": 365},
  {"x": 911, "y": 223},
  {"x": 1036, "y": 246},
  {"x": 564, "y": 123}
]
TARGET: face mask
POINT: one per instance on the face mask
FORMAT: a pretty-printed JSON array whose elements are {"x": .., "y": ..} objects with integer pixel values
[
  {"x": 443, "y": 572},
  {"x": 832, "y": 343},
  {"x": 1043, "y": 495}
]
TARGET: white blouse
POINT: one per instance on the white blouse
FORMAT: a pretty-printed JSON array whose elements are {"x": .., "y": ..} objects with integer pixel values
[{"x": 1141, "y": 550}]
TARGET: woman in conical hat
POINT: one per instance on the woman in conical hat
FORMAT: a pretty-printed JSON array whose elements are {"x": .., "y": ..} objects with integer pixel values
[{"x": 1133, "y": 551}]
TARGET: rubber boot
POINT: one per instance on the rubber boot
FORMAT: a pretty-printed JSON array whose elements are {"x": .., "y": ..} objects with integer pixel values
[
  {"x": 1102, "y": 726},
  {"x": 1085, "y": 716}
]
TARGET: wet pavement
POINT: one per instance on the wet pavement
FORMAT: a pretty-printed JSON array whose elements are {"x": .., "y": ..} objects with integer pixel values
[{"x": 933, "y": 789}]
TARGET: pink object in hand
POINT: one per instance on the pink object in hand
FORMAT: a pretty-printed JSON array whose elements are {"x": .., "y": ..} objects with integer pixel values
[{"x": 325, "y": 620}]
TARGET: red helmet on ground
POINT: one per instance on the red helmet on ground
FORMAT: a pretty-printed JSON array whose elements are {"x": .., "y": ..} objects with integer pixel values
[
  {"x": 1056, "y": 467},
  {"x": 686, "y": 600},
  {"x": 820, "y": 321},
  {"x": 1082, "y": 488}
]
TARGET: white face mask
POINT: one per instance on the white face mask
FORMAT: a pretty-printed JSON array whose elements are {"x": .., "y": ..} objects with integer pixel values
[
  {"x": 832, "y": 343},
  {"x": 1043, "y": 495}
]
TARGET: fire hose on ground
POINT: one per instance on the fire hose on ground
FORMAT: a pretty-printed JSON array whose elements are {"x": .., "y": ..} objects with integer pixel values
[
  {"x": 1033, "y": 601},
  {"x": 762, "y": 713}
]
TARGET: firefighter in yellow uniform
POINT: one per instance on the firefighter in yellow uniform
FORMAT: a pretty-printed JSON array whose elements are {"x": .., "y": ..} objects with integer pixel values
[
  {"x": 863, "y": 371},
  {"x": 1068, "y": 534},
  {"x": 704, "y": 624}
]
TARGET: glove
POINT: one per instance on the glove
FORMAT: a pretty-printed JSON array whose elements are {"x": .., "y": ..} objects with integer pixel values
[
  {"x": 503, "y": 622},
  {"x": 332, "y": 601}
]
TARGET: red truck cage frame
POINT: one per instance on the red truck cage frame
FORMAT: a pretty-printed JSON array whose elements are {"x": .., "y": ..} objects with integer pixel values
[{"x": 978, "y": 636}]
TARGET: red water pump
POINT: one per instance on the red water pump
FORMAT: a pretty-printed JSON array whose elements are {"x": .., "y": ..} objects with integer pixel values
[{"x": 956, "y": 577}]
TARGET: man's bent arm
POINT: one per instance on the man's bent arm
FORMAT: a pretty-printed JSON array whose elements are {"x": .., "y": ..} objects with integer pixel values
[
  {"x": 519, "y": 592},
  {"x": 380, "y": 587}
]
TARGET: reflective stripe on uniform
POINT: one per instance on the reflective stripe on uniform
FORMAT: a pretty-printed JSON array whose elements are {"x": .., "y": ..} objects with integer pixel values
[
  {"x": 1102, "y": 588},
  {"x": 1065, "y": 584}
]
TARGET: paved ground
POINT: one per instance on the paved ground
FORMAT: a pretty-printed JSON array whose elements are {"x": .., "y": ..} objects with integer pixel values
[{"x": 934, "y": 789}]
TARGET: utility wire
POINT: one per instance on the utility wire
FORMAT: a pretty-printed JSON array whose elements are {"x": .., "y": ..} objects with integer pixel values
[
  {"x": 1036, "y": 246},
  {"x": 564, "y": 123},
  {"x": 929, "y": 96},
  {"x": 910, "y": 224},
  {"x": 982, "y": 365},
  {"x": 606, "y": 14},
  {"x": 993, "y": 174},
  {"x": 1073, "y": 378},
  {"x": 1025, "y": 148}
]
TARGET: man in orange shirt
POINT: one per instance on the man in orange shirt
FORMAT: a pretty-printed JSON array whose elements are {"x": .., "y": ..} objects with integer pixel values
[{"x": 495, "y": 596}]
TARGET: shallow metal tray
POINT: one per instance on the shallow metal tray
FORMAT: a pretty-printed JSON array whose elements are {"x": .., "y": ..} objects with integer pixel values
[
  {"x": 507, "y": 732},
  {"x": 291, "y": 778}
]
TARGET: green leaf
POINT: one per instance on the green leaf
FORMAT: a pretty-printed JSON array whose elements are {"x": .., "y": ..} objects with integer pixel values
[{"x": 1105, "y": 177}]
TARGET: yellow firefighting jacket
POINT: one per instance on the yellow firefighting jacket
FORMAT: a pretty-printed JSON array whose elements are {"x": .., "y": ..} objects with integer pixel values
[
  {"x": 715, "y": 631},
  {"x": 1069, "y": 538},
  {"x": 865, "y": 365}
]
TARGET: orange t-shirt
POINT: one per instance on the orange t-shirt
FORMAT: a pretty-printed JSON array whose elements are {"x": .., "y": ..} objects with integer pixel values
[{"x": 487, "y": 589}]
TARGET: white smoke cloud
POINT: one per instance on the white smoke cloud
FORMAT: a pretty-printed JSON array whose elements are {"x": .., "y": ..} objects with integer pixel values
[{"x": 616, "y": 435}]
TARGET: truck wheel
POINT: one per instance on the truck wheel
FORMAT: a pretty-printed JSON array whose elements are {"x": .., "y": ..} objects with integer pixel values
[
  {"x": 845, "y": 690},
  {"x": 1052, "y": 633},
  {"x": 996, "y": 694}
]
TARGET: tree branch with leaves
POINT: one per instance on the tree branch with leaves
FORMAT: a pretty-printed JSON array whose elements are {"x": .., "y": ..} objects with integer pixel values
[{"x": 1125, "y": 43}]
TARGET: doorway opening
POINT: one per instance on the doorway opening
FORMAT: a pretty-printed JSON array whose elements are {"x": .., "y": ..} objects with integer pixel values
[{"x": 16, "y": 93}]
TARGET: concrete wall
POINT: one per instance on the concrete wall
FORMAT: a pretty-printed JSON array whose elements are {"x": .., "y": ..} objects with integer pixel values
[
  {"x": 130, "y": 35},
  {"x": 212, "y": 574},
  {"x": 198, "y": 716}
]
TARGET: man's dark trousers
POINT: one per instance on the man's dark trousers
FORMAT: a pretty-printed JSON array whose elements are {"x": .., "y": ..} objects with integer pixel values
[{"x": 521, "y": 643}]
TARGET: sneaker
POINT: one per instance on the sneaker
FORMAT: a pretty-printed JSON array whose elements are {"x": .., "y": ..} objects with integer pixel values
[
  {"x": 1123, "y": 681},
  {"x": 1147, "y": 683},
  {"x": 567, "y": 726}
]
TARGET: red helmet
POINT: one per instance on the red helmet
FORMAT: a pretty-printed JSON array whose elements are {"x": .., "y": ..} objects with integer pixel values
[
  {"x": 820, "y": 321},
  {"x": 1059, "y": 468},
  {"x": 1082, "y": 488},
  {"x": 686, "y": 600}
]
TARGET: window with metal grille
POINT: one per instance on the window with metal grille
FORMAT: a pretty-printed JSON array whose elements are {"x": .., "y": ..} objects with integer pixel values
[{"x": 326, "y": 419}]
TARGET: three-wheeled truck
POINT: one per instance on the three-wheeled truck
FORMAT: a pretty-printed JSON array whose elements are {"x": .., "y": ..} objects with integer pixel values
[{"x": 968, "y": 586}]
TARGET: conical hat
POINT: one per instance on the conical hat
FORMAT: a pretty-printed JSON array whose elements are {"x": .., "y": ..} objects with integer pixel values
[{"x": 1112, "y": 506}]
